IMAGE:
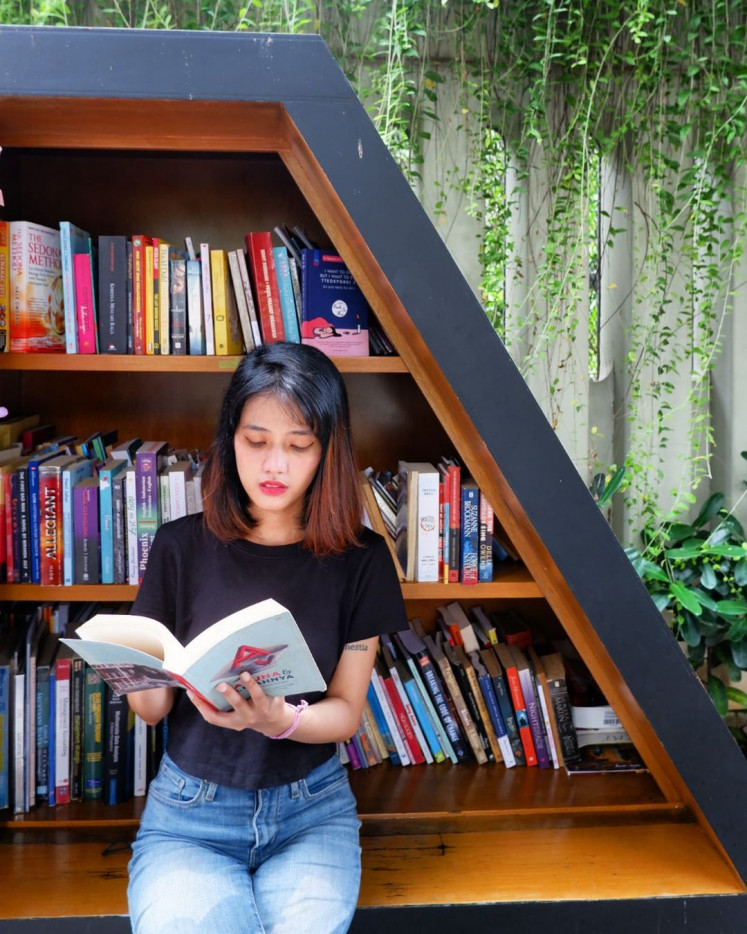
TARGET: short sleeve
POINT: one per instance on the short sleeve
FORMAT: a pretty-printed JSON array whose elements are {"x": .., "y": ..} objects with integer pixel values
[
  {"x": 377, "y": 605},
  {"x": 156, "y": 595}
]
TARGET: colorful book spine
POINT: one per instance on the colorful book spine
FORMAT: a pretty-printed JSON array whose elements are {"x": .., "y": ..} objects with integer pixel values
[
  {"x": 262, "y": 264},
  {"x": 470, "y": 521},
  {"x": 113, "y": 306},
  {"x": 249, "y": 296},
  {"x": 139, "y": 289},
  {"x": 119, "y": 535},
  {"x": 149, "y": 294},
  {"x": 377, "y": 682},
  {"x": 37, "y": 305},
  {"x": 34, "y": 514},
  {"x": 485, "y": 541},
  {"x": 496, "y": 717},
  {"x": 108, "y": 471},
  {"x": 383, "y": 724},
  {"x": 195, "y": 319},
  {"x": 131, "y": 525},
  {"x": 455, "y": 511},
  {"x": 86, "y": 532},
  {"x": 206, "y": 280},
  {"x": 285, "y": 293},
  {"x": 149, "y": 459},
  {"x": 178, "y": 305},
  {"x": 73, "y": 240},
  {"x": 5, "y": 679},
  {"x": 85, "y": 304},
  {"x": 93, "y": 736},
  {"x": 63, "y": 671},
  {"x": 226, "y": 324},
  {"x": 71, "y": 476},
  {"x": 4, "y": 286}
]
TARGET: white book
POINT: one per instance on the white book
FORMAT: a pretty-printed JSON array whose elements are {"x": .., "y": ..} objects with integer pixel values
[
  {"x": 207, "y": 298},
  {"x": 241, "y": 302},
  {"x": 131, "y": 525},
  {"x": 246, "y": 282},
  {"x": 164, "y": 498},
  {"x": 140, "y": 757},
  {"x": 425, "y": 486},
  {"x": 62, "y": 738},
  {"x": 178, "y": 476}
]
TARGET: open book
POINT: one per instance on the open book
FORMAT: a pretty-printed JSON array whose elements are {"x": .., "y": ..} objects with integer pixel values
[{"x": 134, "y": 653}]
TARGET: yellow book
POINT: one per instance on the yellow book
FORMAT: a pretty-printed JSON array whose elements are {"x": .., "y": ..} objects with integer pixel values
[
  {"x": 149, "y": 304},
  {"x": 226, "y": 325},
  {"x": 164, "y": 297},
  {"x": 4, "y": 285}
]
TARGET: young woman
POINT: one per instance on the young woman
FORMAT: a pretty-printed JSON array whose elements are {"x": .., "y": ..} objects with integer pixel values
[{"x": 250, "y": 824}]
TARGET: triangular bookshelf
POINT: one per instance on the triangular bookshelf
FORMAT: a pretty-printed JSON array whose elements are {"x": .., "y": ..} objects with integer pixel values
[{"x": 112, "y": 129}]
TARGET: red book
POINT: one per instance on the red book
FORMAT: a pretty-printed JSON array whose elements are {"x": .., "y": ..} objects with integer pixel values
[
  {"x": 453, "y": 493},
  {"x": 63, "y": 671},
  {"x": 85, "y": 308},
  {"x": 262, "y": 265},
  {"x": 50, "y": 517},
  {"x": 517, "y": 699},
  {"x": 139, "y": 286},
  {"x": 405, "y": 727}
]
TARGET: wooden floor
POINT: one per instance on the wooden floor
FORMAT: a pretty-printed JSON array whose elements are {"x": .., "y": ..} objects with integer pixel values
[{"x": 47, "y": 879}]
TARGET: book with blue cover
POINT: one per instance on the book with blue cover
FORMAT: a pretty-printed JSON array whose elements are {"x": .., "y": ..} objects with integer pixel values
[{"x": 334, "y": 310}]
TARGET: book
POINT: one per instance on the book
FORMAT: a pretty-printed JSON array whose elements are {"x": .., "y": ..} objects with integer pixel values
[
  {"x": 206, "y": 281},
  {"x": 377, "y": 683},
  {"x": 117, "y": 771},
  {"x": 134, "y": 653},
  {"x": 394, "y": 693},
  {"x": 73, "y": 240},
  {"x": 4, "y": 286},
  {"x": 33, "y": 506},
  {"x": 107, "y": 474},
  {"x": 532, "y": 705},
  {"x": 149, "y": 279},
  {"x": 93, "y": 736},
  {"x": 334, "y": 312},
  {"x": 150, "y": 459},
  {"x": 548, "y": 715},
  {"x": 421, "y": 481},
  {"x": 376, "y": 522},
  {"x": 72, "y": 474},
  {"x": 178, "y": 344},
  {"x": 467, "y": 680},
  {"x": 86, "y": 532},
  {"x": 610, "y": 758},
  {"x": 470, "y": 524},
  {"x": 195, "y": 319},
  {"x": 63, "y": 672},
  {"x": 227, "y": 328},
  {"x": 51, "y": 529},
  {"x": 406, "y": 536},
  {"x": 140, "y": 286},
  {"x": 517, "y": 699},
  {"x": 412, "y": 700},
  {"x": 251, "y": 305},
  {"x": 235, "y": 258},
  {"x": 485, "y": 541},
  {"x": 500, "y": 689},
  {"x": 554, "y": 669},
  {"x": 497, "y": 733},
  {"x": 285, "y": 293},
  {"x": 85, "y": 301},
  {"x": 166, "y": 254},
  {"x": 37, "y": 304},
  {"x": 113, "y": 306},
  {"x": 262, "y": 264},
  {"x": 453, "y": 473}
]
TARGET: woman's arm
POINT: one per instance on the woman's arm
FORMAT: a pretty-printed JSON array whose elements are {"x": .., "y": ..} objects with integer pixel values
[
  {"x": 331, "y": 720},
  {"x": 152, "y": 705}
]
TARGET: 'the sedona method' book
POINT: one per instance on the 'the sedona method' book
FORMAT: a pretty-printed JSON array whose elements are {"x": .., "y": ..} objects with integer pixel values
[{"x": 134, "y": 653}]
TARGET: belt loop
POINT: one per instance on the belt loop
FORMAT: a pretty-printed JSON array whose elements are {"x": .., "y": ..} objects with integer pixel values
[
  {"x": 295, "y": 790},
  {"x": 211, "y": 790}
]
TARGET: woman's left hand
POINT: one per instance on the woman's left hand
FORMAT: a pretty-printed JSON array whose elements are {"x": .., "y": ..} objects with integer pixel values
[{"x": 268, "y": 715}]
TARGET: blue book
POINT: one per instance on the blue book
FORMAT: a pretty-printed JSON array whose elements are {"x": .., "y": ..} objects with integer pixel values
[
  {"x": 4, "y": 733},
  {"x": 494, "y": 712},
  {"x": 382, "y": 724},
  {"x": 287, "y": 299},
  {"x": 334, "y": 313},
  {"x": 72, "y": 240},
  {"x": 108, "y": 471},
  {"x": 71, "y": 476},
  {"x": 34, "y": 513},
  {"x": 51, "y": 765},
  {"x": 470, "y": 532}
]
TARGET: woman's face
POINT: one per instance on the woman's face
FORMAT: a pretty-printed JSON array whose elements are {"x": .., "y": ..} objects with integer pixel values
[{"x": 277, "y": 456}]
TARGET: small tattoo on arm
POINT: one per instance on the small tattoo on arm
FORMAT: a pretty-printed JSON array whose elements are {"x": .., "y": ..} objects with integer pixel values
[{"x": 356, "y": 647}]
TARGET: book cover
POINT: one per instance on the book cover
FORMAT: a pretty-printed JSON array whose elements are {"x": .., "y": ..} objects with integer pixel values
[
  {"x": 85, "y": 305},
  {"x": 226, "y": 323},
  {"x": 4, "y": 286},
  {"x": 242, "y": 307},
  {"x": 500, "y": 688},
  {"x": 412, "y": 702},
  {"x": 495, "y": 717},
  {"x": 383, "y": 723},
  {"x": 73, "y": 239},
  {"x": 554, "y": 668},
  {"x": 119, "y": 534},
  {"x": 406, "y": 537},
  {"x": 485, "y": 541},
  {"x": 453, "y": 507},
  {"x": 426, "y": 549},
  {"x": 178, "y": 475},
  {"x": 93, "y": 736},
  {"x": 63, "y": 671},
  {"x": 178, "y": 305},
  {"x": 195, "y": 318},
  {"x": 532, "y": 704},
  {"x": 108, "y": 471},
  {"x": 548, "y": 717},
  {"x": 150, "y": 459},
  {"x": 246, "y": 284},
  {"x": 34, "y": 516},
  {"x": 72, "y": 474},
  {"x": 334, "y": 313},
  {"x": 415, "y": 752},
  {"x": 377, "y": 683},
  {"x": 139, "y": 291},
  {"x": 166, "y": 252},
  {"x": 37, "y": 303},
  {"x": 470, "y": 518},
  {"x": 286, "y": 295},
  {"x": 86, "y": 532},
  {"x": 117, "y": 763},
  {"x": 262, "y": 264},
  {"x": 134, "y": 653},
  {"x": 149, "y": 285},
  {"x": 470, "y": 689},
  {"x": 51, "y": 543},
  {"x": 206, "y": 280},
  {"x": 130, "y": 487},
  {"x": 113, "y": 306}
]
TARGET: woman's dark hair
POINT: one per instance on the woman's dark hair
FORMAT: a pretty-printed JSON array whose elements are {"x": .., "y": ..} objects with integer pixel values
[{"x": 308, "y": 382}]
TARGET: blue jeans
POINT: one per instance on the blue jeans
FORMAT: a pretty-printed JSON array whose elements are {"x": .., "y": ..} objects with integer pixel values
[{"x": 282, "y": 860}]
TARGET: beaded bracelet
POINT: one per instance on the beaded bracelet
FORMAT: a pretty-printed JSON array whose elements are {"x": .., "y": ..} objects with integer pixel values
[{"x": 299, "y": 709}]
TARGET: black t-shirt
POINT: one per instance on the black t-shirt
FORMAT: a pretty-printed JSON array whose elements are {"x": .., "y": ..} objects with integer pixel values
[{"x": 192, "y": 580}]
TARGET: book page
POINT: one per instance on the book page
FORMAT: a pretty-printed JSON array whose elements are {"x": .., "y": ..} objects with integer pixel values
[{"x": 138, "y": 632}]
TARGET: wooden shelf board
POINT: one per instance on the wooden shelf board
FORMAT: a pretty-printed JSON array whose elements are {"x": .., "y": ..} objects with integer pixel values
[
  {"x": 135, "y": 363},
  {"x": 47, "y": 880}
]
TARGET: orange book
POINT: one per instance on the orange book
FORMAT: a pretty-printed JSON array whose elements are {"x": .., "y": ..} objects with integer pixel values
[
  {"x": 4, "y": 284},
  {"x": 139, "y": 288},
  {"x": 37, "y": 308}
]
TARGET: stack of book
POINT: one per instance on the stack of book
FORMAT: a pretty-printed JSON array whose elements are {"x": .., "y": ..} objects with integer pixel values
[
  {"x": 440, "y": 522},
  {"x": 69, "y": 291}
]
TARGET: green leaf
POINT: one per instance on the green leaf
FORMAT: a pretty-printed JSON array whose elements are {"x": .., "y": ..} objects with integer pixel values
[
  {"x": 739, "y": 654},
  {"x": 709, "y": 509},
  {"x": 612, "y": 487},
  {"x": 730, "y": 608},
  {"x": 690, "y": 630},
  {"x": 717, "y": 693},
  {"x": 661, "y": 601},
  {"x": 737, "y": 696},
  {"x": 740, "y": 573},
  {"x": 685, "y": 598},
  {"x": 708, "y": 578},
  {"x": 729, "y": 551}
]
